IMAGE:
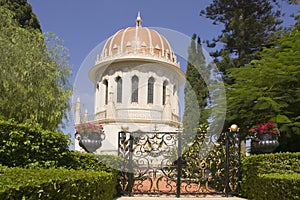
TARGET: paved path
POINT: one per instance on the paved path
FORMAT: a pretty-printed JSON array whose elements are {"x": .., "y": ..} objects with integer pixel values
[{"x": 207, "y": 197}]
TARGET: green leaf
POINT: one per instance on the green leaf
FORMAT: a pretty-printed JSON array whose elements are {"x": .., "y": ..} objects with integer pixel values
[{"x": 282, "y": 119}]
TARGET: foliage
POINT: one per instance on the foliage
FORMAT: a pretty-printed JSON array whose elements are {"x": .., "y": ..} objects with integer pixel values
[
  {"x": 59, "y": 54},
  {"x": 197, "y": 75},
  {"x": 38, "y": 183},
  {"x": 85, "y": 161},
  {"x": 22, "y": 13},
  {"x": 277, "y": 186},
  {"x": 269, "y": 127},
  {"x": 257, "y": 166},
  {"x": 247, "y": 27},
  {"x": 33, "y": 83},
  {"x": 268, "y": 90},
  {"x": 27, "y": 144}
]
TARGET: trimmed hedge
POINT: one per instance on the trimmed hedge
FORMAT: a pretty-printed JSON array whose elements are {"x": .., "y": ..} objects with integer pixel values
[
  {"x": 20, "y": 183},
  {"x": 259, "y": 172},
  {"x": 79, "y": 160},
  {"x": 28, "y": 146},
  {"x": 277, "y": 186},
  {"x": 24, "y": 144}
]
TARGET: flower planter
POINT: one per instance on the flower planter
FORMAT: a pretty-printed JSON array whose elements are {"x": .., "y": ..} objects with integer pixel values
[
  {"x": 90, "y": 136},
  {"x": 92, "y": 141},
  {"x": 264, "y": 143},
  {"x": 264, "y": 137}
]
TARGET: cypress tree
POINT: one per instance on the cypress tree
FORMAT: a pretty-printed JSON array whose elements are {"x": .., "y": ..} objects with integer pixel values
[{"x": 196, "y": 92}]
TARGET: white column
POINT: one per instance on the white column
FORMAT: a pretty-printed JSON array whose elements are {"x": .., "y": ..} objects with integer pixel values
[
  {"x": 110, "y": 112},
  {"x": 167, "y": 112}
]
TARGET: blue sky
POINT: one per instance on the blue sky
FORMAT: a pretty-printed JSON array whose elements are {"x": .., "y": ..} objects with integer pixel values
[{"x": 83, "y": 24}]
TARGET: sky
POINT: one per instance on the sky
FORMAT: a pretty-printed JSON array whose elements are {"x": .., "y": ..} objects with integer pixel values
[{"x": 83, "y": 24}]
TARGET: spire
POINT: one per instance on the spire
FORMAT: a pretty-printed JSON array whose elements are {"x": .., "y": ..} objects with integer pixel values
[
  {"x": 138, "y": 20},
  {"x": 77, "y": 111},
  {"x": 86, "y": 116}
]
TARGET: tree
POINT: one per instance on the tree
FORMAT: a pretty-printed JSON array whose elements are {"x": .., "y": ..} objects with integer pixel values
[
  {"x": 249, "y": 25},
  {"x": 268, "y": 90},
  {"x": 22, "y": 13},
  {"x": 33, "y": 80},
  {"x": 197, "y": 75}
]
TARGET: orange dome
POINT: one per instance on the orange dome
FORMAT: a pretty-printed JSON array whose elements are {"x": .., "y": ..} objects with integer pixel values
[{"x": 137, "y": 41}]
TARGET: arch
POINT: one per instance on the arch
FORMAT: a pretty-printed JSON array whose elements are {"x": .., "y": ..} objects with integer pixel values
[
  {"x": 134, "y": 89},
  {"x": 164, "y": 92},
  {"x": 105, "y": 83},
  {"x": 119, "y": 89},
  {"x": 150, "y": 90}
]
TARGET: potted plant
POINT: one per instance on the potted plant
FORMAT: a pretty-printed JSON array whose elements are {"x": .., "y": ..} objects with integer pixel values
[
  {"x": 90, "y": 136},
  {"x": 264, "y": 137}
]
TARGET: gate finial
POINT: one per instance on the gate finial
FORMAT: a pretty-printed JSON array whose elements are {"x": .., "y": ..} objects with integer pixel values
[{"x": 234, "y": 128}]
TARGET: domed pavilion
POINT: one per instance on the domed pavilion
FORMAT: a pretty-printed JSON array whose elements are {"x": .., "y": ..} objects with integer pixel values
[{"x": 137, "y": 80}]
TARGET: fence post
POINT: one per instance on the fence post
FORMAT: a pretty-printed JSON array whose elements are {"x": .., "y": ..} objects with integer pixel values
[
  {"x": 130, "y": 171},
  {"x": 233, "y": 132},
  {"x": 227, "y": 164},
  {"x": 179, "y": 170}
]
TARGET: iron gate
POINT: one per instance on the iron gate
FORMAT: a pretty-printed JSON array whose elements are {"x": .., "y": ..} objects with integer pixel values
[{"x": 176, "y": 163}]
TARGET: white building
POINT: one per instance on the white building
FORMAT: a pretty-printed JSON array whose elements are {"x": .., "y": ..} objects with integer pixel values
[{"x": 137, "y": 80}]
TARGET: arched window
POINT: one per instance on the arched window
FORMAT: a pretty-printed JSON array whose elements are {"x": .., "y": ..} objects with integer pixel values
[
  {"x": 164, "y": 92},
  {"x": 134, "y": 89},
  {"x": 119, "y": 89},
  {"x": 105, "y": 83},
  {"x": 150, "y": 90}
]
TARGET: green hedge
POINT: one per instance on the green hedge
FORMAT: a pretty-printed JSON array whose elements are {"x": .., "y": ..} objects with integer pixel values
[
  {"x": 79, "y": 160},
  {"x": 258, "y": 174},
  {"x": 24, "y": 144},
  {"x": 38, "y": 183},
  {"x": 28, "y": 146},
  {"x": 277, "y": 186}
]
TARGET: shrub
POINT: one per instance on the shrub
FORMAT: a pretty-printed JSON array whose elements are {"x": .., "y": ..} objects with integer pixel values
[
  {"x": 79, "y": 160},
  {"x": 258, "y": 170},
  {"x": 277, "y": 186},
  {"x": 38, "y": 183},
  {"x": 23, "y": 144}
]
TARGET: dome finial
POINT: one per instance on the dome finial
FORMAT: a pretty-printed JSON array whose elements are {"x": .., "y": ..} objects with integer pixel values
[{"x": 138, "y": 20}]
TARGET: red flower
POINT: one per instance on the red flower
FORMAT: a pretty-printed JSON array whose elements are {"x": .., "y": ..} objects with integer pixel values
[
  {"x": 269, "y": 127},
  {"x": 88, "y": 128}
]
